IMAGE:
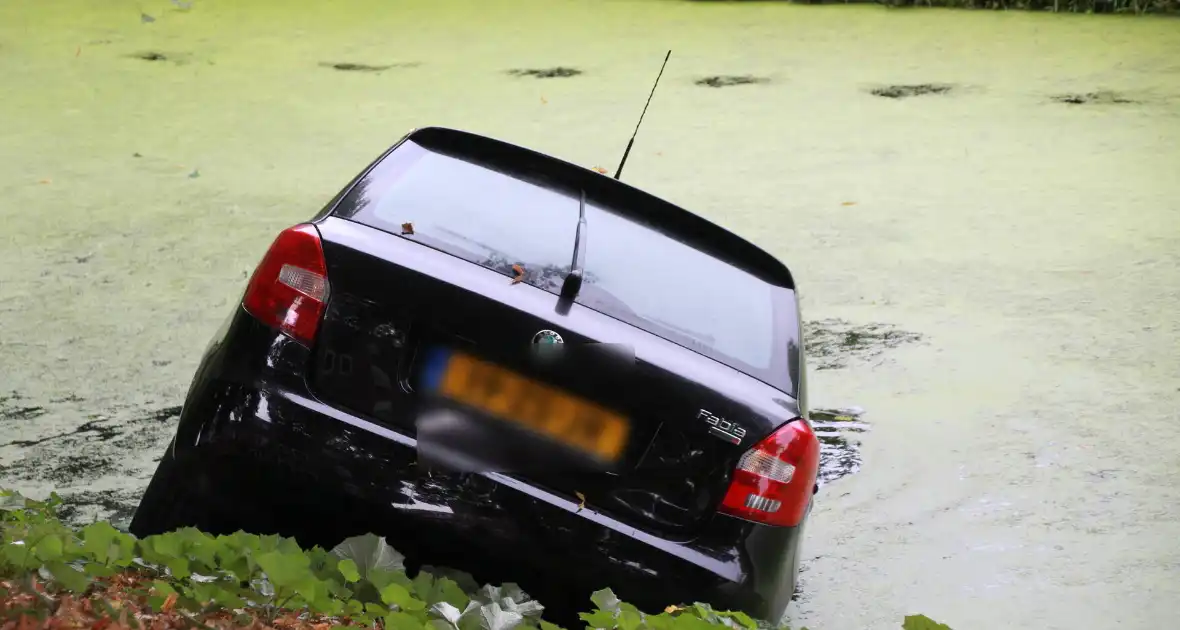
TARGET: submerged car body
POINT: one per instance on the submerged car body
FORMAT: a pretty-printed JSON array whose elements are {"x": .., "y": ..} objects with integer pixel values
[{"x": 514, "y": 366}]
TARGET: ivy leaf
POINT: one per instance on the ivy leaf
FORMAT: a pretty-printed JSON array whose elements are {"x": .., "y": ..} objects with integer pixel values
[
  {"x": 11, "y": 501},
  {"x": 462, "y": 578},
  {"x": 18, "y": 555},
  {"x": 598, "y": 619},
  {"x": 97, "y": 540},
  {"x": 402, "y": 621},
  {"x": 49, "y": 548},
  {"x": 742, "y": 618},
  {"x": 690, "y": 622},
  {"x": 922, "y": 622},
  {"x": 396, "y": 594},
  {"x": 68, "y": 576},
  {"x": 199, "y": 547},
  {"x": 285, "y": 570},
  {"x": 310, "y": 589},
  {"x": 349, "y": 570},
  {"x": 179, "y": 568},
  {"x": 448, "y": 612},
  {"x": 375, "y": 610},
  {"x": 370, "y": 552},
  {"x": 328, "y": 605},
  {"x": 606, "y": 600},
  {"x": 705, "y": 612},
  {"x": 630, "y": 619},
  {"x": 492, "y": 617},
  {"x": 434, "y": 590},
  {"x": 354, "y": 608},
  {"x": 531, "y": 608}
]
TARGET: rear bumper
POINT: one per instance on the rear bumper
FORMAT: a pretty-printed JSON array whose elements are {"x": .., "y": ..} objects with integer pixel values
[{"x": 260, "y": 447}]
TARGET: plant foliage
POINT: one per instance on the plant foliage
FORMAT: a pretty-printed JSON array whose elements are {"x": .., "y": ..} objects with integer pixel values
[{"x": 101, "y": 578}]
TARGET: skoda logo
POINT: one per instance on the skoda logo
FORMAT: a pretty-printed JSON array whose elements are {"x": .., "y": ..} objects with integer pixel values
[{"x": 547, "y": 337}]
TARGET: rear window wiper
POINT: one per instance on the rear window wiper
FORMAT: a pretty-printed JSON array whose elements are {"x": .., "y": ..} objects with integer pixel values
[{"x": 573, "y": 280}]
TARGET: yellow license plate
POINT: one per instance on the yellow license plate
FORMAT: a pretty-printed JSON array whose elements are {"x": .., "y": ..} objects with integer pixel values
[{"x": 567, "y": 419}]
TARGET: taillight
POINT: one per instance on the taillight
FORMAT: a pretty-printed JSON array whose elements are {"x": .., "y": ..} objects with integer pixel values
[
  {"x": 775, "y": 479},
  {"x": 289, "y": 287}
]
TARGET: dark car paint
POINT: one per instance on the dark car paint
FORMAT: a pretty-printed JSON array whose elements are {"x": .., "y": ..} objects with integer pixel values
[
  {"x": 256, "y": 449},
  {"x": 255, "y": 431},
  {"x": 640, "y": 205},
  {"x": 677, "y": 470},
  {"x": 378, "y": 202}
]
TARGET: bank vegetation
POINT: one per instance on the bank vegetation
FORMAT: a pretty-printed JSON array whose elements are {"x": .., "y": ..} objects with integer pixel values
[{"x": 56, "y": 577}]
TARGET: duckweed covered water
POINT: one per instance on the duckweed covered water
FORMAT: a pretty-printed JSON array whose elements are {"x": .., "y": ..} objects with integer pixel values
[{"x": 1017, "y": 235}]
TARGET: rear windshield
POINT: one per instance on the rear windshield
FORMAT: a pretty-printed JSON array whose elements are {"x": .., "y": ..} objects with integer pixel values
[{"x": 633, "y": 272}]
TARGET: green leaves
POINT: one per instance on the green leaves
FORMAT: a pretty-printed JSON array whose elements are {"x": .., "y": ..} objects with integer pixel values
[
  {"x": 403, "y": 621},
  {"x": 349, "y": 570},
  {"x": 922, "y": 622},
  {"x": 433, "y": 590},
  {"x": 362, "y": 581},
  {"x": 370, "y": 552},
  {"x": 285, "y": 569},
  {"x": 49, "y": 548},
  {"x": 69, "y": 577},
  {"x": 398, "y": 597}
]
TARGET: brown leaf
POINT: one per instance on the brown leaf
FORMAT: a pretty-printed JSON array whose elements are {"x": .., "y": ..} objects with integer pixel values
[
  {"x": 581, "y": 501},
  {"x": 848, "y": 203},
  {"x": 519, "y": 271},
  {"x": 407, "y": 228},
  {"x": 46, "y": 181},
  {"x": 543, "y": 101},
  {"x": 673, "y": 608},
  {"x": 169, "y": 602},
  {"x": 600, "y": 169}
]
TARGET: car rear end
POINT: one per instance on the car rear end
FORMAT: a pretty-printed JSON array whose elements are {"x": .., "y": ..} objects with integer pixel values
[{"x": 362, "y": 334}]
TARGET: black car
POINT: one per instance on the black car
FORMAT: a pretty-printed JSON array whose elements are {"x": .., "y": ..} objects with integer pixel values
[{"x": 515, "y": 366}]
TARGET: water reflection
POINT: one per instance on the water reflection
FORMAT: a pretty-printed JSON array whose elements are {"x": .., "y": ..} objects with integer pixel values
[{"x": 838, "y": 430}]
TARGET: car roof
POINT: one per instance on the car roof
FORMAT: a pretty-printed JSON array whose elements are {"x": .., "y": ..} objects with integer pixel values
[{"x": 620, "y": 197}]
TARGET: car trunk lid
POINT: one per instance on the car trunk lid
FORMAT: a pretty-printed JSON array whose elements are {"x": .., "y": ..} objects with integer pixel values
[{"x": 393, "y": 300}]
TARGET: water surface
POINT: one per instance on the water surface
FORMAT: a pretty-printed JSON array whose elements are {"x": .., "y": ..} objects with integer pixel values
[{"x": 1020, "y": 470}]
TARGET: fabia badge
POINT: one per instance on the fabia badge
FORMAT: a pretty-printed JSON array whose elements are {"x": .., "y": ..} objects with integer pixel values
[
  {"x": 722, "y": 428},
  {"x": 547, "y": 337}
]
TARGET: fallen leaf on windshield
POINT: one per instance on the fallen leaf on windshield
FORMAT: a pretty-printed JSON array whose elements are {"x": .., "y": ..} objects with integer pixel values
[
  {"x": 543, "y": 101},
  {"x": 581, "y": 501},
  {"x": 600, "y": 169},
  {"x": 519, "y": 271},
  {"x": 848, "y": 203},
  {"x": 46, "y": 181},
  {"x": 407, "y": 228}
]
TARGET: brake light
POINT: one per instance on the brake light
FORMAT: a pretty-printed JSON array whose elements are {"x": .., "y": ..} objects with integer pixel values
[
  {"x": 775, "y": 479},
  {"x": 289, "y": 287}
]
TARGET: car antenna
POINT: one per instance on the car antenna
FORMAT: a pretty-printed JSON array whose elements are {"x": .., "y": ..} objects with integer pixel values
[
  {"x": 573, "y": 279},
  {"x": 632, "y": 141}
]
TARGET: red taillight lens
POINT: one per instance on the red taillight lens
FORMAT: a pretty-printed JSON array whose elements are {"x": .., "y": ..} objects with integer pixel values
[
  {"x": 774, "y": 480},
  {"x": 290, "y": 286}
]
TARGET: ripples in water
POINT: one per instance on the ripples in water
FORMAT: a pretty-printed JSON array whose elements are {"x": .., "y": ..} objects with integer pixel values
[{"x": 838, "y": 432}]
